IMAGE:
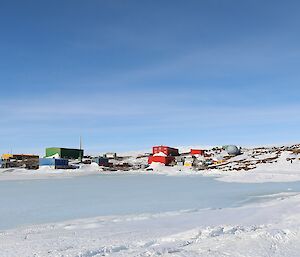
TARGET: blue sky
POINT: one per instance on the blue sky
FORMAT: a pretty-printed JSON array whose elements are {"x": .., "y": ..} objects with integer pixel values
[{"x": 127, "y": 75}]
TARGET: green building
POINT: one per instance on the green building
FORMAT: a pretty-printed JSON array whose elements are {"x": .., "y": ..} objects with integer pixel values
[{"x": 65, "y": 153}]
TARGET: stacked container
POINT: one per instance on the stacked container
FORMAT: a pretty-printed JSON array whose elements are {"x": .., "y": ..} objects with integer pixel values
[
  {"x": 169, "y": 151},
  {"x": 163, "y": 154},
  {"x": 55, "y": 163}
]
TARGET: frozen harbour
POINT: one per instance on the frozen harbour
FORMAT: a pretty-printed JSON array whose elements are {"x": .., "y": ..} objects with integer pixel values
[
  {"x": 26, "y": 202},
  {"x": 148, "y": 215}
]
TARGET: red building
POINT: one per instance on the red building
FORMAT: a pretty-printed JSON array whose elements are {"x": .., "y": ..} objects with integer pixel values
[
  {"x": 197, "y": 151},
  {"x": 169, "y": 151},
  {"x": 167, "y": 160}
]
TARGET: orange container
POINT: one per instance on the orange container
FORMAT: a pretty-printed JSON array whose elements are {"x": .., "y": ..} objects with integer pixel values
[{"x": 197, "y": 151}]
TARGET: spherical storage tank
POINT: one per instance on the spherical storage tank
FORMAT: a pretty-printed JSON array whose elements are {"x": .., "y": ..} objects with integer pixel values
[{"x": 232, "y": 150}]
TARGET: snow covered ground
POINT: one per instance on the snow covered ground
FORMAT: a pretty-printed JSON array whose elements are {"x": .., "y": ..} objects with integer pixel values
[
  {"x": 46, "y": 173},
  {"x": 261, "y": 229},
  {"x": 244, "y": 212},
  {"x": 279, "y": 171}
]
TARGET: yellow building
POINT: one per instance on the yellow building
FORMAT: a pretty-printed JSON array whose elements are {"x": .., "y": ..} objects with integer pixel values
[{"x": 7, "y": 156}]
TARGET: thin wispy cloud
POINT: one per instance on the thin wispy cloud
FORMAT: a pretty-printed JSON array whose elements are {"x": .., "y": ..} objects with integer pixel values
[{"x": 135, "y": 74}]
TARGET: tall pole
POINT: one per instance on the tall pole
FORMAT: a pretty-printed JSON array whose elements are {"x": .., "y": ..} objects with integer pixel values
[{"x": 80, "y": 146}]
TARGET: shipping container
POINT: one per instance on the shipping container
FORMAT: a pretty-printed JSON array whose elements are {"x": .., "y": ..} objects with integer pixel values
[
  {"x": 169, "y": 151},
  {"x": 180, "y": 163},
  {"x": 27, "y": 161},
  {"x": 188, "y": 164},
  {"x": 101, "y": 161},
  {"x": 167, "y": 160},
  {"x": 65, "y": 153},
  {"x": 197, "y": 152},
  {"x": 110, "y": 155},
  {"x": 55, "y": 163}
]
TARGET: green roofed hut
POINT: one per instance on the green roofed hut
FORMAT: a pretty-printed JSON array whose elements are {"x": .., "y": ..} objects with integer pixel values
[{"x": 65, "y": 153}]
